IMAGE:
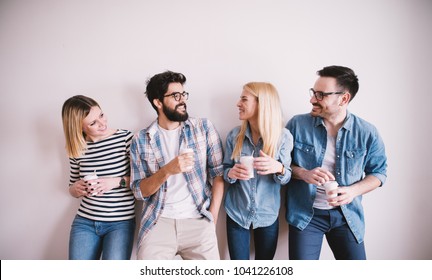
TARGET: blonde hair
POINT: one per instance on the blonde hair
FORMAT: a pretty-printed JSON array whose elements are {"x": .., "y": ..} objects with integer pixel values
[
  {"x": 74, "y": 111},
  {"x": 270, "y": 120}
]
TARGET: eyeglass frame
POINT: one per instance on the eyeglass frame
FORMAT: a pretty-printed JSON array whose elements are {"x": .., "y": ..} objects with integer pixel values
[
  {"x": 312, "y": 92},
  {"x": 178, "y": 95}
]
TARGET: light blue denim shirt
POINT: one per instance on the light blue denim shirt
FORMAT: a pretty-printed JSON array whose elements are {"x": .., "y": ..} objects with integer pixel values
[
  {"x": 359, "y": 152},
  {"x": 255, "y": 201}
]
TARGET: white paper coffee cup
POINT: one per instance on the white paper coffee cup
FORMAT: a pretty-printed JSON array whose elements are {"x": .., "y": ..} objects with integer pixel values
[
  {"x": 248, "y": 161},
  {"x": 91, "y": 177},
  {"x": 329, "y": 186},
  {"x": 187, "y": 151}
]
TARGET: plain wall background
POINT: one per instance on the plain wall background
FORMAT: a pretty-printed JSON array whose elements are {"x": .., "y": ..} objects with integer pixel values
[{"x": 106, "y": 49}]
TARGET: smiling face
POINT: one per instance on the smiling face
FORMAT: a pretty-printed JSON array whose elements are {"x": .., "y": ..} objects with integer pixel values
[
  {"x": 248, "y": 106},
  {"x": 95, "y": 124},
  {"x": 175, "y": 111},
  {"x": 330, "y": 105}
]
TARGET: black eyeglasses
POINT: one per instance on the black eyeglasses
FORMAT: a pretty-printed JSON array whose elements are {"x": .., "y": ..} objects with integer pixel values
[
  {"x": 178, "y": 95},
  {"x": 319, "y": 95}
]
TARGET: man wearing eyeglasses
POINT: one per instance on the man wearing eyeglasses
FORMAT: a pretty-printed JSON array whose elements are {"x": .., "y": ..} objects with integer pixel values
[
  {"x": 332, "y": 144},
  {"x": 180, "y": 205}
]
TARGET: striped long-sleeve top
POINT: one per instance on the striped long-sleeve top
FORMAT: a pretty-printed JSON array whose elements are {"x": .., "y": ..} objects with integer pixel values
[{"x": 108, "y": 158}]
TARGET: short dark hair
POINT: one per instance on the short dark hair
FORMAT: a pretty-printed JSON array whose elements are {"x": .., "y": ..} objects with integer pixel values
[
  {"x": 345, "y": 77},
  {"x": 158, "y": 85}
]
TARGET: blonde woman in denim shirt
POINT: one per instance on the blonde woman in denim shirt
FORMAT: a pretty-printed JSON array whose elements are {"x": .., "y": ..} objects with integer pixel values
[{"x": 252, "y": 204}]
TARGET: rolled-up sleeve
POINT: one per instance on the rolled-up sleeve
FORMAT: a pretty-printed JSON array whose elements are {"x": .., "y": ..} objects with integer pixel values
[
  {"x": 285, "y": 157},
  {"x": 228, "y": 162},
  {"x": 137, "y": 167},
  {"x": 376, "y": 162},
  {"x": 214, "y": 152}
]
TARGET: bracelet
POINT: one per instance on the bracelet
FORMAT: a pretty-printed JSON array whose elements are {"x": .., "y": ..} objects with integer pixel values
[
  {"x": 122, "y": 182},
  {"x": 282, "y": 172}
]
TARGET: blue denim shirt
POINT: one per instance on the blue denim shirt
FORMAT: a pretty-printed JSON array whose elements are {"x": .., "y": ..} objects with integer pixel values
[
  {"x": 255, "y": 201},
  {"x": 359, "y": 152}
]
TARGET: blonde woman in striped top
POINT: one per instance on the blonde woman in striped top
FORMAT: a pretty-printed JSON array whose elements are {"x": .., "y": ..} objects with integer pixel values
[{"x": 105, "y": 222}]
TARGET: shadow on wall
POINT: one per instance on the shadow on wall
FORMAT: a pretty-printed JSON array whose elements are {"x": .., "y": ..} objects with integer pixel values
[
  {"x": 58, "y": 246},
  {"x": 46, "y": 133},
  {"x": 139, "y": 108}
]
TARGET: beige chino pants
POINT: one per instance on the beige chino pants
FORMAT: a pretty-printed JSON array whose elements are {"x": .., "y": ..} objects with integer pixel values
[{"x": 191, "y": 239}]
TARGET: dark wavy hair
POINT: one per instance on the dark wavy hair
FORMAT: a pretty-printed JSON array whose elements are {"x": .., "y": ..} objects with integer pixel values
[
  {"x": 157, "y": 85},
  {"x": 345, "y": 77}
]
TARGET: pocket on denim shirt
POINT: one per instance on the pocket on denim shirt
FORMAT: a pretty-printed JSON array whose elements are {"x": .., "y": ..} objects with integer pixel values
[
  {"x": 304, "y": 155},
  {"x": 355, "y": 159}
]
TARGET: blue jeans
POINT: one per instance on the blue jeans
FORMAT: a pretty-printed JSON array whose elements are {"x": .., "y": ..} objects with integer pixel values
[
  {"x": 89, "y": 240},
  {"x": 265, "y": 241},
  {"x": 306, "y": 244}
]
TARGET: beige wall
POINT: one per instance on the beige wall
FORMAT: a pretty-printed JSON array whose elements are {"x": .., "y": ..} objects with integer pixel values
[{"x": 52, "y": 49}]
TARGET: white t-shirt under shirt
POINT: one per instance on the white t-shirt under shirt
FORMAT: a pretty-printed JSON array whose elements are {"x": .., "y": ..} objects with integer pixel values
[
  {"x": 179, "y": 203},
  {"x": 329, "y": 162}
]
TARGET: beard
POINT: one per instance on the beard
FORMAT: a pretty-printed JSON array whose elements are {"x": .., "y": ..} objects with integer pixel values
[
  {"x": 173, "y": 115},
  {"x": 314, "y": 112}
]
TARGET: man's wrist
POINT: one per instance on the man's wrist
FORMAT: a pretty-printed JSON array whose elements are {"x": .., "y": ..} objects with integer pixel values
[{"x": 297, "y": 172}]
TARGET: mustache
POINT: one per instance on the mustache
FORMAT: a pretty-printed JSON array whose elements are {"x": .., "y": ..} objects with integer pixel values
[
  {"x": 317, "y": 105},
  {"x": 181, "y": 104}
]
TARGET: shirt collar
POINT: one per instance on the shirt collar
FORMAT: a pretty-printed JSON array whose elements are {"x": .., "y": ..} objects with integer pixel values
[
  {"x": 153, "y": 128},
  {"x": 248, "y": 133},
  {"x": 348, "y": 123}
]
